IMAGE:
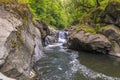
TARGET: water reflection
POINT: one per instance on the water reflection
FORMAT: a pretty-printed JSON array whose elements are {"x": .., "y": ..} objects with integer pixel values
[
  {"x": 105, "y": 64},
  {"x": 63, "y": 64}
]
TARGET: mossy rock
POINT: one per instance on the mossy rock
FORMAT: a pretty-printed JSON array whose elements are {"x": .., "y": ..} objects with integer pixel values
[
  {"x": 104, "y": 15},
  {"x": 113, "y": 8},
  {"x": 111, "y": 27},
  {"x": 94, "y": 17},
  {"x": 86, "y": 28},
  {"x": 112, "y": 11}
]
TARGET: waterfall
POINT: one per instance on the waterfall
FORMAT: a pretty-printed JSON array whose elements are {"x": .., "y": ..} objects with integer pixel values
[
  {"x": 57, "y": 37},
  {"x": 62, "y": 36},
  {"x": 38, "y": 49}
]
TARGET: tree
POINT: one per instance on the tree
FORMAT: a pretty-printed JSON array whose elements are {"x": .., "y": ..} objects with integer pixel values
[
  {"x": 62, "y": 13},
  {"x": 97, "y": 3}
]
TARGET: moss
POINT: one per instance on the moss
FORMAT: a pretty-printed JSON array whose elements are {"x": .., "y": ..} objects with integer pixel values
[
  {"x": 94, "y": 17},
  {"x": 98, "y": 28},
  {"x": 113, "y": 8},
  {"x": 18, "y": 34},
  {"x": 115, "y": 1},
  {"x": 25, "y": 21},
  {"x": 111, "y": 27},
  {"x": 14, "y": 43},
  {"x": 86, "y": 29}
]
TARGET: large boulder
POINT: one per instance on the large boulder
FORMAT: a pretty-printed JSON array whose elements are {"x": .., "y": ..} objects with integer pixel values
[
  {"x": 18, "y": 37},
  {"x": 89, "y": 42},
  {"x": 113, "y": 34}
]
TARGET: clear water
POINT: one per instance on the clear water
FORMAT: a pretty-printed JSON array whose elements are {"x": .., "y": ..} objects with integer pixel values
[{"x": 60, "y": 63}]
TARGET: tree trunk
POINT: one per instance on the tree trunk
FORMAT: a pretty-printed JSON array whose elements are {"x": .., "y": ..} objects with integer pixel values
[{"x": 97, "y": 3}]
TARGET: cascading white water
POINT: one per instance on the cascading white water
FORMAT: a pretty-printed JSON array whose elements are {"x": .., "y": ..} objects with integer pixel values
[
  {"x": 62, "y": 36},
  {"x": 59, "y": 37}
]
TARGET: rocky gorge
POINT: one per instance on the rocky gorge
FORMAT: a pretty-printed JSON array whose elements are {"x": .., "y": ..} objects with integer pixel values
[
  {"x": 24, "y": 40},
  {"x": 18, "y": 39}
]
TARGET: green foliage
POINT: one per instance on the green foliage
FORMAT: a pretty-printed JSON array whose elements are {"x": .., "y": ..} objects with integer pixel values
[
  {"x": 63, "y": 13},
  {"x": 51, "y": 12}
]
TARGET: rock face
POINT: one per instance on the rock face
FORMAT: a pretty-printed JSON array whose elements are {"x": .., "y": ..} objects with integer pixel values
[
  {"x": 52, "y": 37},
  {"x": 18, "y": 35},
  {"x": 44, "y": 29},
  {"x": 113, "y": 34},
  {"x": 89, "y": 42},
  {"x": 106, "y": 42}
]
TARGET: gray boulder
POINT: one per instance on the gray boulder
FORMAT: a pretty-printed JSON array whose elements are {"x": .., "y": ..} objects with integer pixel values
[
  {"x": 89, "y": 42},
  {"x": 113, "y": 34},
  {"x": 17, "y": 41}
]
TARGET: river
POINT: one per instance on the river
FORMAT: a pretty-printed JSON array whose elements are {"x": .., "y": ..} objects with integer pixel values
[{"x": 60, "y": 63}]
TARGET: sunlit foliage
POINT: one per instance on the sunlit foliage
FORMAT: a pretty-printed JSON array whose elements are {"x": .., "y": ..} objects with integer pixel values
[{"x": 62, "y": 13}]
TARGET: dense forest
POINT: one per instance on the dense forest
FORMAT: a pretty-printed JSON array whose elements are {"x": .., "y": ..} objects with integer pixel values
[{"x": 62, "y": 13}]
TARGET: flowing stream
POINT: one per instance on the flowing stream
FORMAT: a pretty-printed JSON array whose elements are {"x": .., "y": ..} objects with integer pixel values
[{"x": 60, "y": 63}]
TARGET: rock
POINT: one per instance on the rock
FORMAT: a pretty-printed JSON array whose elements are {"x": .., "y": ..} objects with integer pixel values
[
  {"x": 49, "y": 40},
  {"x": 18, "y": 35},
  {"x": 53, "y": 31},
  {"x": 113, "y": 13},
  {"x": 3, "y": 77},
  {"x": 5, "y": 31},
  {"x": 52, "y": 37},
  {"x": 113, "y": 34},
  {"x": 38, "y": 49},
  {"x": 44, "y": 29},
  {"x": 89, "y": 42}
]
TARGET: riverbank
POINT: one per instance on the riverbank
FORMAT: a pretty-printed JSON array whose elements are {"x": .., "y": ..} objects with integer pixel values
[{"x": 98, "y": 31}]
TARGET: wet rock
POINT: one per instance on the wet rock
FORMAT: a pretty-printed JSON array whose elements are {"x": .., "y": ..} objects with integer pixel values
[
  {"x": 49, "y": 40},
  {"x": 89, "y": 42},
  {"x": 51, "y": 37}
]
